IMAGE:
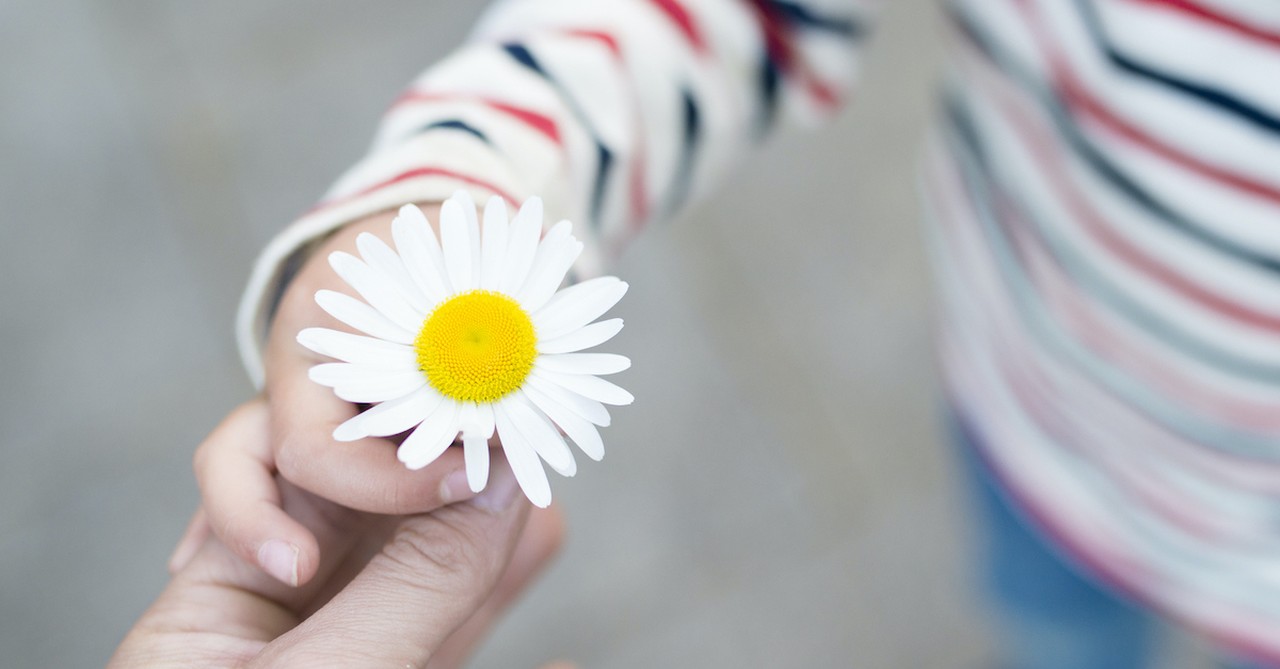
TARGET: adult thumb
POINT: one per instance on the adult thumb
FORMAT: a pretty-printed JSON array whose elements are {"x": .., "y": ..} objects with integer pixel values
[{"x": 428, "y": 579}]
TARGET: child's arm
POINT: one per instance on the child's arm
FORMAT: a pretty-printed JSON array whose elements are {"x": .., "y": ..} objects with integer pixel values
[{"x": 616, "y": 113}]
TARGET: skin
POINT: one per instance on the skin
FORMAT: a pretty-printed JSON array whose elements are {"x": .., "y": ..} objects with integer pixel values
[
  {"x": 362, "y": 475},
  {"x": 385, "y": 566},
  {"x": 365, "y": 474},
  {"x": 416, "y": 590}
]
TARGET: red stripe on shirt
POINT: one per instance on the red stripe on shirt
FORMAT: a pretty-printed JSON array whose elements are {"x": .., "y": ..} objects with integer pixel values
[
  {"x": 680, "y": 16},
  {"x": 414, "y": 174},
  {"x": 545, "y": 125},
  {"x": 780, "y": 46},
  {"x": 1216, "y": 18},
  {"x": 600, "y": 36}
]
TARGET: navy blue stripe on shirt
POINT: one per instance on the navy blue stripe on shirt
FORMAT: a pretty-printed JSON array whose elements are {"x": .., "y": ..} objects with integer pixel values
[
  {"x": 1208, "y": 95},
  {"x": 522, "y": 55},
  {"x": 455, "y": 124},
  {"x": 690, "y": 140},
  {"x": 769, "y": 82},
  {"x": 605, "y": 158},
  {"x": 805, "y": 17},
  {"x": 604, "y": 166}
]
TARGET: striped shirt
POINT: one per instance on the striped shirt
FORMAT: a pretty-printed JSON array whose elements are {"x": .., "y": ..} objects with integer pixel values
[
  {"x": 1105, "y": 197},
  {"x": 1103, "y": 191}
]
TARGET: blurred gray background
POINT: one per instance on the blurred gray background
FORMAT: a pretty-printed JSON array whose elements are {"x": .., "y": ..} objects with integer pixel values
[{"x": 777, "y": 496}]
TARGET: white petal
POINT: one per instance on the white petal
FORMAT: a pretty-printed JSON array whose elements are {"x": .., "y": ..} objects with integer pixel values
[
  {"x": 367, "y": 391},
  {"x": 476, "y": 424},
  {"x": 476, "y": 419},
  {"x": 579, "y": 429},
  {"x": 432, "y": 437},
  {"x": 556, "y": 254},
  {"x": 538, "y": 430},
  {"x": 350, "y": 430},
  {"x": 587, "y": 408},
  {"x": 524, "y": 460},
  {"x": 584, "y": 363},
  {"x": 331, "y": 374},
  {"x": 456, "y": 243},
  {"x": 525, "y": 231},
  {"x": 578, "y": 305},
  {"x": 361, "y": 316},
  {"x": 420, "y": 253},
  {"x": 494, "y": 247},
  {"x": 590, "y": 387},
  {"x": 358, "y": 348},
  {"x": 378, "y": 291},
  {"x": 382, "y": 259},
  {"x": 392, "y": 417},
  {"x": 361, "y": 383},
  {"x": 473, "y": 232},
  {"x": 584, "y": 337},
  {"x": 475, "y": 452},
  {"x": 556, "y": 239}
]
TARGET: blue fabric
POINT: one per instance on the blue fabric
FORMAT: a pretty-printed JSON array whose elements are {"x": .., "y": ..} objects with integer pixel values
[{"x": 1051, "y": 614}]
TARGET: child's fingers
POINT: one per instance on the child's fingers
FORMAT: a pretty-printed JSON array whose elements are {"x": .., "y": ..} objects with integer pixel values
[
  {"x": 365, "y": 474},
  {"x": 192, "y": 537},
  {"x": 242, "y": 501}
]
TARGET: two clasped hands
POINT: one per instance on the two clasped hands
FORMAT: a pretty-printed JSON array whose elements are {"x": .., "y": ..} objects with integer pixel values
[{"x": 310, "y": 553}]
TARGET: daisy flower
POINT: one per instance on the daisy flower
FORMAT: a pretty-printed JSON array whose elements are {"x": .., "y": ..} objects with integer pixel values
[{"x": 471, "y": 336}]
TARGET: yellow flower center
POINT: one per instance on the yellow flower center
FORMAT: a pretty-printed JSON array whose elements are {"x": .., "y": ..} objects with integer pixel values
[{"x": 476, "y": 346}]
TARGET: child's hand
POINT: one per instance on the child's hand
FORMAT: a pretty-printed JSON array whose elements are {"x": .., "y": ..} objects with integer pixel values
[{"x": 365, "y": 474}]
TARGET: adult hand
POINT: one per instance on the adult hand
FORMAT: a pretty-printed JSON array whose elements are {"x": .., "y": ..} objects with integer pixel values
[{"x": 409, "y": 591}]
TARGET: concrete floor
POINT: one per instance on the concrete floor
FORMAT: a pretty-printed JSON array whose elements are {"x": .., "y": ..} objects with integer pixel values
[{"x": 775, "y": 498}]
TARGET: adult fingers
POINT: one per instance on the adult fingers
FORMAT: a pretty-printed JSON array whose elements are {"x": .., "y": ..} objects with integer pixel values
[
  {"x": 242, "y": 500},
  {"x": 195, "y": 534},
  {"x": 427, "y": 581},
  {"x": 542, "y": 538}
]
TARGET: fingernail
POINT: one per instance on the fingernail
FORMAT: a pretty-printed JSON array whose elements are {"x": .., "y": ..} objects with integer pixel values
[
  {"x": 454, "y": 487},
  {"x": 280, "y": 560},
  {"x": 501, "y": 490}
]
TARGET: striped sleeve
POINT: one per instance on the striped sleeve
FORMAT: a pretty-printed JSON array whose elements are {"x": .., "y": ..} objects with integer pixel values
[{"x": 616, "y": 112}]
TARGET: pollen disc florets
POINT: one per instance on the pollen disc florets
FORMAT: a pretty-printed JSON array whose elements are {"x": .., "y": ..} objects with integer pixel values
[{"x": 477, "y": 346}]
